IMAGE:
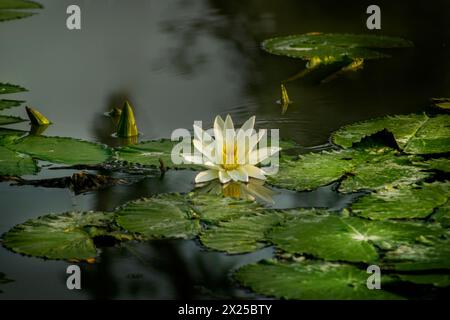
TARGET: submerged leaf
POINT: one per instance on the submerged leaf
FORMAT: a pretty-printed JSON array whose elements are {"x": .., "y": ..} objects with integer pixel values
[
  {"x": 64, "y": 236},
  {"x": 416, "y": 134},
  {"x": 358, "y": 169},
  {"x": 403, "y": 202},
  {"x": 62, "y": 150},
  {"x": 310, "y": 280},
  {"x": 15, "y": 164},
  {"x": 163, "y": 216},
  {"x": 326, "y": 46},
  {"x": 346, "y": 238}
]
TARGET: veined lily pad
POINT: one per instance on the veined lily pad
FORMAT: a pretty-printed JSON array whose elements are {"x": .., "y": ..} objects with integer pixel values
[
  {"x": 164, "y": 216},
  {"x": 310, "y": 280},
  {"x": 9, "y": 9},
  {"x": 431, "y": 255},
  {"x": 66, "y": 236},
  {"x": 403, "y": 202},
  {"x": 15, "y": 164},
  {"x": 149, "y": 153},
  {"x": 346, "y": 238},
  {"x": 416, "y": 134},
  {"x": 358, "y": 169},
  {"x": 62, "y": 150},
  {"x": 322, "y": 45},
  {"x": 10, "y": 120},
  {"x": 213, "y": 208}
]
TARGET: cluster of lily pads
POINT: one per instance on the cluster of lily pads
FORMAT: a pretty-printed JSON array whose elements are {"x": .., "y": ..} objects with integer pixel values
[{"x": 401, "y": 222}]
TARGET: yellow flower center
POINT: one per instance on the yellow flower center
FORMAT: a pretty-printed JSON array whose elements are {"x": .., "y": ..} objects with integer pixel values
[{"x": 229, "y": 156}]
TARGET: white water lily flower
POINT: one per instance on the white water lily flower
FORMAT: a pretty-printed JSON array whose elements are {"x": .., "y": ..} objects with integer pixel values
[{"x": 231, "y": 155}]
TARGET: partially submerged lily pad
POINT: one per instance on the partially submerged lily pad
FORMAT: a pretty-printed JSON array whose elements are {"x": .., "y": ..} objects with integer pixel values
[
  {"x": 15, "y": 164},
  {"x": 62, "y": 150},
  {"x": 12, "y": 9},
  {"x": 65, "y": 236},
  {"x": 152, "y": 153},
  {"x": 336, "y": 46},
  {"x": 357, "y": 169},
  {"x": 163, "y": 216},
  {"x": 346, "y": 238},
  {"x": 310, "y": 280},
  {"x": 414, "y": 133},
  {"x": 403, "y": 202}
]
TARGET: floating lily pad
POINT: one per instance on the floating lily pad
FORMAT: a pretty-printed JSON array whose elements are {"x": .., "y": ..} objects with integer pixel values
[
  {"x": 403, "y": 202},
  {"x": 439, "y": 164},
  {"x": 6, "y": 88},
  {"x": 10, "y": 120},
  {"x": 310, "y": 280},
  {"x": 62, "y": 150},
  {"x": 9, "y": 135},
  {"x": 323, "y": 46},
  {"x": 8, "y": 9},
  {"x": 15, "y": 164},
  {"x": 241, "y": 235},
  {"x": 357, "y": 169},
  {"x": 437, "y": 280},
  {"x": 346, "y": 238},
  {"x": 164, "y": 216},
  {"x": 6, "y": 104},
  {"x": 66, "y": 236},
  {"x": 213, "y": 208},
  {"x": 416, "y": 134},
  {"x": 149, "y": 153},
  {"x": 431, "y": 255}
]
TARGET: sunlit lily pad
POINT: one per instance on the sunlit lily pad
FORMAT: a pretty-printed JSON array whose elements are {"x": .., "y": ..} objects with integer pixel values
[
  {"x": 11, "y": 9},
  {"x": 346, "y": 238},
  {"x": 322, "y": 45},
  {"x": 403, "y": 202},
  {"x": 62, "y": 150},
  {"x": 65, "y": 236},
  {"x": 164, "y": 216},
  {"x": 213, "y": 208},
  {"x": 357, "y": 169},
  {"x": 149, "y": 153},
  {"x": 414, "y": 133},
  {"x": 15, "y": 164},
  {"x": 431, "y": 255},
  {"x": 310, "y": 280}
]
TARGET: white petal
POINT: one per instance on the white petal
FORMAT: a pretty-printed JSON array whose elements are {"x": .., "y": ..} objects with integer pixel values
[
  {"x": 224, "y": 177},
  {"x": 256, "y": 138},
  {"x": 254, "y": 172},
  {"x": 206, "y": 176},
  {"x": 229, "y": 123},
  {"x": 202, "y": 135},
  {"x": 219, "y": 138},
  {"x": 262, "y": 154},
  {"x": 205, "y": 149},
  {"x": 238, "y": 175},
  {"x": 249, "y": 124}
]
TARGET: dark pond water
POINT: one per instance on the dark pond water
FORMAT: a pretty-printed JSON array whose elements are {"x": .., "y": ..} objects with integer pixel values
[{"x": 178, "y": 61}]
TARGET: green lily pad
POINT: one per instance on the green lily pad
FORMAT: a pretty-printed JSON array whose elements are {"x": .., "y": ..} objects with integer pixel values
[
  {"x": 357, "y": 169},
  {"x": 431, "y": 255},
  {"x": 439, "y": 164},
  {"x": 15, "y": 164},
  {"x": 10, "y": 120},
  {"x": 346, "y": 238},
  {"x": 6, "y": 88},
  {"x": 65, "y": 236},
  {"x": 415, "y": 134},
  {"x": 442, "y": 103},
  {"x": 442, "y": 215},
  {"x": 9, "y": 135},
  {"x": 403, "y": 202},
  {"x": 437, "y": 280},
  {"x": 310, "y": 280},
  {"x": 241, "y": 235},
  {"x": 213, "y": 208},
  {"x": 8, "y": 9},
  {"x": 62, "y": 150},
  {"x": 149, "y": 153},
  {"x": 6, "y": 104},
  {"x": 322, "y": 45},
  {"x": 163, "y": 216}
]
